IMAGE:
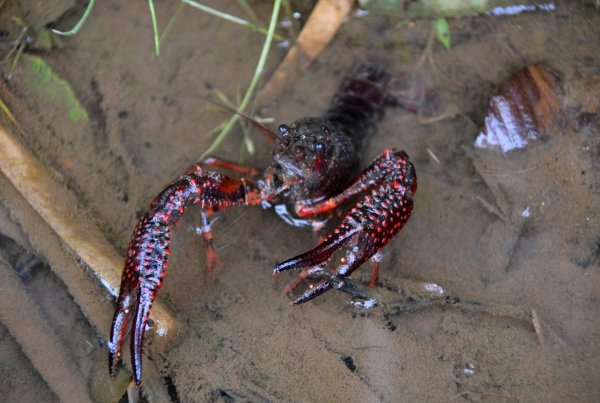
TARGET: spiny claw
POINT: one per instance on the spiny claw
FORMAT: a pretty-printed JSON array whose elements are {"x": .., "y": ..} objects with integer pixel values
[
  {"x": 319, "y": 254},
  {"x": 303, "y": 275},
  {"x": 329, "y": 281},
  {"x": 366, "y": 228},
  {"x": 343, "y": 284},
  {"x": 142, "y": 278},
  {"x": 148, "y": 252},
  {"x": 117, "y": 331},
  {"x": 142, "y": 312},
  {"x": 312, "y": 292}
]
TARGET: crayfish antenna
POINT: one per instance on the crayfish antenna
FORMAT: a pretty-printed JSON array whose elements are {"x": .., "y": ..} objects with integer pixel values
[{"x": 269, "y": 134}]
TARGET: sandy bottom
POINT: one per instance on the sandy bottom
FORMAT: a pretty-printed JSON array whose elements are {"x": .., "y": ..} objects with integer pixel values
[{"x": 239, "y": 339}]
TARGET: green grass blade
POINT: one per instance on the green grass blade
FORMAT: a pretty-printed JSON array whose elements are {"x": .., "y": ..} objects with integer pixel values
[
  {"x": 154, "y": 27},
  {"x": 253, "y": 83},
  {"x": 79, "y": 24},
  {"x": 231, "y": 18}
]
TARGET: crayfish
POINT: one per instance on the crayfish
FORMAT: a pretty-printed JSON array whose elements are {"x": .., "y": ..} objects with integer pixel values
[{"x": 315, "y": 166}]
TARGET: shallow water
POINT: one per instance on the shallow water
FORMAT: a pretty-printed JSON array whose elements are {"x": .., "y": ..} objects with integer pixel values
[{"x": 469, "y": 232}]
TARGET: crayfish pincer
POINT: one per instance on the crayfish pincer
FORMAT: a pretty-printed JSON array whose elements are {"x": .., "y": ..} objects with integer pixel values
[{"x": 315, "y": 166}]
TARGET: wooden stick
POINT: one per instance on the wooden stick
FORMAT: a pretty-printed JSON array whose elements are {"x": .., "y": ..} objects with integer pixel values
[{"x": 320, "y": 28}]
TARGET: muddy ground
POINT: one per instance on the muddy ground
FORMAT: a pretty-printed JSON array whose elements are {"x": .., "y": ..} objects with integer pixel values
[{"x": 238, "y": 339}]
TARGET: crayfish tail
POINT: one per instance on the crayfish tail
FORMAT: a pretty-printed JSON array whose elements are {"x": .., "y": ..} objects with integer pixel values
[{"x": 360, "y": 101}]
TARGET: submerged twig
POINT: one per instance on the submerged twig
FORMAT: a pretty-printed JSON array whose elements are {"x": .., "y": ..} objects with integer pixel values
[
  {"x": 320, "y": 28},
  {"x": 415, "y": 295}
]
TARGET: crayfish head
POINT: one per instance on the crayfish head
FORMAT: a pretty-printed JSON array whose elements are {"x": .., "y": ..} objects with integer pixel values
[{"x": 300, "y": 159}]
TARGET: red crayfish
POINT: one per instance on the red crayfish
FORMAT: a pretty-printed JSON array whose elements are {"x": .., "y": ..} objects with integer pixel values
[{"x": 313, "y": 165}]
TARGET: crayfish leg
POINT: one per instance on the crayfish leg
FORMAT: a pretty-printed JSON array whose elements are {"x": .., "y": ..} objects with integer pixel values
[
  {"x": 212, "y": 259},
  {"x": 375, "y": 259},
  {"x": 244, "y": 170},
  {"x": 301, "y": 277}
]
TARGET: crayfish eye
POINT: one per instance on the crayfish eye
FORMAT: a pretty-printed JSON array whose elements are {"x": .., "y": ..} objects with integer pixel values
[
  {"x": 319, "y": 147},
  {"x": 283, "y": 129}
]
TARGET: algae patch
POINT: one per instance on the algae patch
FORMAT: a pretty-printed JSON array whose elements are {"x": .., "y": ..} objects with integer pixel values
[{"x": 42, "y": 80}]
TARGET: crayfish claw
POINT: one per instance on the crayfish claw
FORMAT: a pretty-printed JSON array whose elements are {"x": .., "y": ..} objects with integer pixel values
[
  {"x": 144, "y": 271},
  {"x": 300, "y": 278},
  {"x": 343, "y": 284},
  {"x": 118, "y": 330},
  {"x": 142, "y": 312},
  {"x": 365, "y": 230},
  {"x": 312, "y": 292},
  {"x": 135, "y": 311},
  {"x": 329, "y": 281},
  {"x": 148, "y": 251}
]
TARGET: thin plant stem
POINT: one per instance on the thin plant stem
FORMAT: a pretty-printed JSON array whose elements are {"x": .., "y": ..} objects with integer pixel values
[
  {"x": 154, "y": 27},
  {"x": 169, "y": 26},
  {"x": 79, "y": 24},
  {"x": 246, "y": 7},
  {"x": 230, "y": 18},
  {"x": 253, "y": 83},
  {"x": 159, "y": 38},
  {"x": 6, "y": 111}
]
